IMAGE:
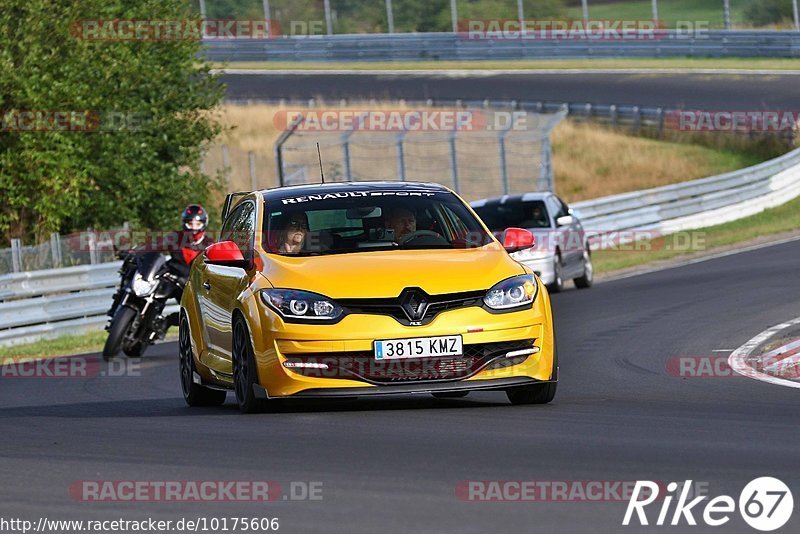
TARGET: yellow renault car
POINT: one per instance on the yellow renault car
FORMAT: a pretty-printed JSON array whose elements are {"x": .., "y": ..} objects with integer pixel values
[{"x": 362, "y": 288}]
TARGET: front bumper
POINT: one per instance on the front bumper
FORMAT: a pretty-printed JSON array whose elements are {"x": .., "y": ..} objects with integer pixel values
[
  {"x": 494, "y": 384},
  {"x": 277, "y": 343}
]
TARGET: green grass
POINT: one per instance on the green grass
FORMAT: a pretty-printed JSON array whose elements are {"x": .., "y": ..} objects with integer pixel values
[
  {"x": 784, "y": 218},
  {"x": 669, "y": 11},
  {"x": 585, "y": 64},
  {"x": 61, "y": 346}
]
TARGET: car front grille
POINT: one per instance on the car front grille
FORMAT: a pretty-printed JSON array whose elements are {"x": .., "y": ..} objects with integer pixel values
[
  {"x": 393, "y": 307},
  {"x": 362, "y": 365}
]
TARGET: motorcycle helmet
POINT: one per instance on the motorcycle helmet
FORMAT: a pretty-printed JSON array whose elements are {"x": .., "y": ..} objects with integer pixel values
[{"x": 191, "y": 216}]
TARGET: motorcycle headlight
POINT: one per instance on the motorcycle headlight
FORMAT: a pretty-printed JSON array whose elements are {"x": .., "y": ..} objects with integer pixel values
[
  {"x": 142, "y": 287},
  {"x": 512, "y": 293},
  {"x": 301, "y": 305}
]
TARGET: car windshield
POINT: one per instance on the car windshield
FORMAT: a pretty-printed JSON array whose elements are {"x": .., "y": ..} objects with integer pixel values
[
  {"x": 498, "y": 217},
  {"x": 347, "y": 222}
]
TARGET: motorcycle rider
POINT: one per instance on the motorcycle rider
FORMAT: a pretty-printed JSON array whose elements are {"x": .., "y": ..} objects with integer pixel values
[{"x": 184, "y": 246}]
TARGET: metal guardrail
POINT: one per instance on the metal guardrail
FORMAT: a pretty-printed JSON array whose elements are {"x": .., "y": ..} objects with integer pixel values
[
  {"x": 698, "y": 203},
  {"x": 65, "y": 301},
  {"x": 54, "y": 302},
  {"x": 458, "y": 46}
]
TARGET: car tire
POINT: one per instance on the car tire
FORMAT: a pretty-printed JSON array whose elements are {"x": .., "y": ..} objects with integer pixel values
[
  {"x": 120, "y": 323},
  {"x": 450, "y": 394},
  {"x": 194, "y": 394},
  {"x": 586, "y": 281},
  {"x": 537, "y": 393},
  {"x": 558, "y": 281},
  {"x": 245, "y": 374}
]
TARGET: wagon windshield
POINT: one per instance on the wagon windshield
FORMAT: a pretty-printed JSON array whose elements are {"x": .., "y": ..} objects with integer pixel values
[{"x": 354, "y": 221}]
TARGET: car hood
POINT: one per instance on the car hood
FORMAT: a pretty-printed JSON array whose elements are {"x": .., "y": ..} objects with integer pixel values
[{"x": 384, "y": 274}]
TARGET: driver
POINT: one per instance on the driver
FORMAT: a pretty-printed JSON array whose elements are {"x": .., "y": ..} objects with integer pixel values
[{"x": 402, "y": 220}]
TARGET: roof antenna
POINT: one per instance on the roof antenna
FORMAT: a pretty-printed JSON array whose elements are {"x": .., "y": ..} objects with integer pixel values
[{"x": 321, "y": 173}]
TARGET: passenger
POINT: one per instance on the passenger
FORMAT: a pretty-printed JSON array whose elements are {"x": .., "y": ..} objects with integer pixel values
[{"x": 293, "y": 235}]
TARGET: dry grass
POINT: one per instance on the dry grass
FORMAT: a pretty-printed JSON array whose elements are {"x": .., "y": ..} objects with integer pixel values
[{"x": 589, "y": 161}]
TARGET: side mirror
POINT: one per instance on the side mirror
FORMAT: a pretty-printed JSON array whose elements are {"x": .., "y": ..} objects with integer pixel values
[
  {"x": 565, "y": 220},
  {"x": 227, "y": 254},
  {"x": 516, "y": 239}
]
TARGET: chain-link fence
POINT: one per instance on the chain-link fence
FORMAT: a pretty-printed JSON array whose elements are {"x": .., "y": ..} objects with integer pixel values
[
  {"x": 82, "y": 248},
  {"x": 478, "y": 152}
]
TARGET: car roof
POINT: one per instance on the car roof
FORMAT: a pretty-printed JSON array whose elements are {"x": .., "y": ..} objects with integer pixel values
[
  {"x": 526, "y": 197},
  {"x": 344, "y": 187}
]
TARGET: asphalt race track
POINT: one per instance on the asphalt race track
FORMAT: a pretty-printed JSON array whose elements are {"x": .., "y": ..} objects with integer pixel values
[
  {"x": 393, "y": 464},
  {"x": 718, "y": 92}
]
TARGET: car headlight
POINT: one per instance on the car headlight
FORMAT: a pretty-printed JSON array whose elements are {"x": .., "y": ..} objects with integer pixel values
[
  {"x": 301, "y": 305},
  {"x": 512, "y": 293},
  {"x": 142, "y": 287}
]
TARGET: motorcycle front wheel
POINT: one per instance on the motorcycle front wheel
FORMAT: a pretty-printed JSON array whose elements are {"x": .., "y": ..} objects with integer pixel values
[{"x": 122, "y": 320}]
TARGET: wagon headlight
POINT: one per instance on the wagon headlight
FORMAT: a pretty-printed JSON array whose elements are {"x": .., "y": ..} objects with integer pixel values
[
  {"x": 296, "y": 304},
  {"x": 512, "y": 293},
  {"x": 142, "y": 287}
]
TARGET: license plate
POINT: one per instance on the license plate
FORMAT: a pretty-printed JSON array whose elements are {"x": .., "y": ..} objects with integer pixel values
[{"x": 418, "y": 347}]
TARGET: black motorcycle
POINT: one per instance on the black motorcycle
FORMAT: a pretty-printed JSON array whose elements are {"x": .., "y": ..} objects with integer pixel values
[{"x": 146, "y": 283}]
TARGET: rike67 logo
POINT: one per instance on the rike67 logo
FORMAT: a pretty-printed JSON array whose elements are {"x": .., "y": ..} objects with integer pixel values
[{"x": 765, "y": 503}]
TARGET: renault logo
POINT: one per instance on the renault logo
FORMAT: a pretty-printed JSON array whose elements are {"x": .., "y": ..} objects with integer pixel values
[{"x": 414, "y": 302}]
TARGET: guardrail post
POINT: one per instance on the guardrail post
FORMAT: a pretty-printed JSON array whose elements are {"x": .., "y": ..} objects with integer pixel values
[
  {"x": 16, "y": 255},
  {"x": 55, "y": 249},
  {"x": 637, "y": 119},
  {"x": 253, "y": 177},
  {"x": 660, "y": 113},
  {"x": 612, "y": 112}
]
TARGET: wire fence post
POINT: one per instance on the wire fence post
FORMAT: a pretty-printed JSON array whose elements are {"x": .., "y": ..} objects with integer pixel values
[
  {"x": 796, "y": 14},
  {"x": 655, "y": 11},
  {"x": 226, "y": 165},
  {"x": 55, "y": 249},
  {"x": 546, "y": 182},
  {"x": 401, "y": 157},
  {"x": 501, "y": 141},
  {"x": 389, "y": 16},
  {"x": 521, "y": 15},
  {"x": 253, "y": 178},
  {"x": 16, "y": 255},
  {"x": 585, "y": 10},
  {"x": 454, "y": 160},
  {"x": 328, "y": 18},
  {"x": 203, "y": 15},
  {"x": 92, "y": 240},
  {"x": 454, "y": 15},
  {"x": 726, "y": 13}
]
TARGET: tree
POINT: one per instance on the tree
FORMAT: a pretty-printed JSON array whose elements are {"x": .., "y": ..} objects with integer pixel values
[{"x": 148, "y": 105}]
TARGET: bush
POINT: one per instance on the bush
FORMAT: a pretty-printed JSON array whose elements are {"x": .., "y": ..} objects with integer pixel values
[
  {"x": 143, "y": 172},
  {"x": 763, "y": 12}
]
